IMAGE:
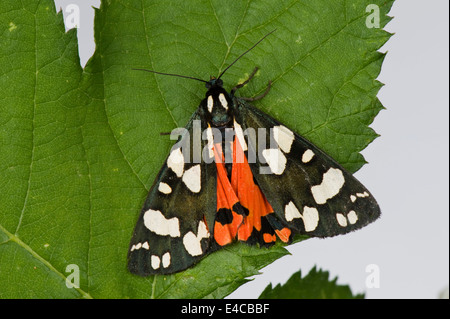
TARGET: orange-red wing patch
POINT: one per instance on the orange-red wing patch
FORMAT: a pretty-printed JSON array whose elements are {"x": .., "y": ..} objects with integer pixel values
[
  {"x": 242, "y": 209},
  {"x": 227, "y": 220},
  {"x": 284, "y": 234},
  {"x": 268, "y": 238},
  {"x": 249, "y": 194}
]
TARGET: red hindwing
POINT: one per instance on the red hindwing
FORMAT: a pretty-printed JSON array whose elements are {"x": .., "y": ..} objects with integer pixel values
[{"x": 241, "y": 206}]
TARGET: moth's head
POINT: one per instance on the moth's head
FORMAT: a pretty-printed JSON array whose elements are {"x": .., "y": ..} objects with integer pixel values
[
  {"x": 218, "y": 105},
  {"x": 213, "y": 82}
]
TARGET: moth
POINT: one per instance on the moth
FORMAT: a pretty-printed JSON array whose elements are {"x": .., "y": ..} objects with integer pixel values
[{"x": 237, "y": 174}]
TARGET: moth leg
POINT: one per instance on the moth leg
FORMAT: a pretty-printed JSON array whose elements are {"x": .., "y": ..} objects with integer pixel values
[
  {"x": 258, "y": 97},
  {"x": 245, "y": 82}
]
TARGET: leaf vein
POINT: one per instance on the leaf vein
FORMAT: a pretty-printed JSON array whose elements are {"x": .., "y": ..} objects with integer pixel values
[{"x": 14, "y": 238}]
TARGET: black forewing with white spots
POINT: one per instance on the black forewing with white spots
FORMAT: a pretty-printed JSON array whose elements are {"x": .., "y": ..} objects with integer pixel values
[
  {"x": 172, "y": 232},
  {"x": 309, "y": 191}
]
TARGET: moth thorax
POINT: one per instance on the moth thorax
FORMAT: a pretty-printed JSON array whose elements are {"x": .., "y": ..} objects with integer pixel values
[{"x": 218, "y": 108}]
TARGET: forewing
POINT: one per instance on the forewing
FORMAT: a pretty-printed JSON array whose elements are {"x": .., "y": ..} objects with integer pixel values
[
  {"x": 172, "y": 232},
  {"x": 309, "y": 191}
]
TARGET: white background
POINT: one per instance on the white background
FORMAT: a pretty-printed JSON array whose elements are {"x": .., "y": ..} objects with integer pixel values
[{"x": 408, "y": 170}]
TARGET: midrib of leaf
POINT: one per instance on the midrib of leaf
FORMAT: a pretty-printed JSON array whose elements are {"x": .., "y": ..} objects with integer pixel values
[
  {"x": 45, "y": 262},
  {"x": 223, "y": 33},
  {"x": 237, "y": 35}
]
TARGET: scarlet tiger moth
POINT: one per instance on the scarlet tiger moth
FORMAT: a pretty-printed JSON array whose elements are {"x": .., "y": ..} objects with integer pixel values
[{"x": 291, "y": 187}]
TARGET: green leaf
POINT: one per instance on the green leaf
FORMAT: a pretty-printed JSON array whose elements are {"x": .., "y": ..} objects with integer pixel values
[
  {"x": 315, "y": 285},
  {"x": 79, "y": 149}
]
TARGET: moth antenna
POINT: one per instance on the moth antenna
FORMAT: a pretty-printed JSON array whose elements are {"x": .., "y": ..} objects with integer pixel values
[
  {"x": 246, "y": 52},
  {"x": 193, "y": 78},
  {"x": 177, "y": 75}
]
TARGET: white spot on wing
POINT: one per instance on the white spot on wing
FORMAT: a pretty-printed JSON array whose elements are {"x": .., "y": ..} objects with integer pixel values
[
  {"x": 166, "y": 260},
  {"x": 310, "y": 218},
  {"x": 276, "y": 160},
  {"x": 223, "y": 101},
  {"x": 136, "y": 246},
  {"x": 192, "y": 178},
  {"x": 284, "y": 137},
  {"x": 210, "y": 103},
  {"x": 210, "y": 137},
  {"x": 192, "y": 242},
  {"x": 365, "y": 194},
  {"x": 353, "y": 198},
  {"x": 307, "y": 156},
  {"x": 310, "y": 215},
  {"x": 341, "y": 219},
  {"x": 352, "y": 217},
  {"x": 202, "y": 230},
  {"x": 291, "y": 212},
  {"x": 240, "y": 135},
  {"x": 155, "y": 221},
  {"x": 155, "y": 261},
  {"x": 145, "y": 245},
  {"x": 176, "y": 162},
  {"x": 164, "y": 188},
  {"x": 332, "y": 182}
]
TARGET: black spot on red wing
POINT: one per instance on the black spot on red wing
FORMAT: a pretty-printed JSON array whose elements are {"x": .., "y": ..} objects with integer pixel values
[
  {"x": 266, "y": 227},
  {"x": 239, "y": 209},
  {"x": 224, "y": 216},
  {"x": 258, "y": 237},
  {"x": 267, "y": 231}
]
